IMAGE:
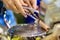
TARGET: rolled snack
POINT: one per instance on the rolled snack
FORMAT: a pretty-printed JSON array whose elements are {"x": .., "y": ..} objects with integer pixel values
[{"x": 44, "y": 26}]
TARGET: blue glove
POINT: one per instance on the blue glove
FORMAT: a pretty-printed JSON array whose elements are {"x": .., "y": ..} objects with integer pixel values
[
  {"x": 38, "y": 2},
  {"x": 30, "y": 19},
  {"x": 9, "y": 17}
]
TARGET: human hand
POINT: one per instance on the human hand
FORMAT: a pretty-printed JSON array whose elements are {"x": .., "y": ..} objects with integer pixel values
[{"x": 17, "y": 5}]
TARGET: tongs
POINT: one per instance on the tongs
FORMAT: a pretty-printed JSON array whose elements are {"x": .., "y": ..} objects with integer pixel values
[
  {"x": 32, "y": 10},
  {"x": 34, "y": 16}
]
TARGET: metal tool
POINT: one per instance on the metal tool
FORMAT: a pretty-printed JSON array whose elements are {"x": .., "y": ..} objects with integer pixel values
[
  {"x": 6, "y": 21},
  {"x": 36, "y": 17},
  {"x": 29, "y": 30}
]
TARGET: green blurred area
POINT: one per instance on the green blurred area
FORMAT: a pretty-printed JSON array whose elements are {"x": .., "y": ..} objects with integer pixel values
[
  {"x": 42, "y": 17},
  {"x": 19, "y": 18}
]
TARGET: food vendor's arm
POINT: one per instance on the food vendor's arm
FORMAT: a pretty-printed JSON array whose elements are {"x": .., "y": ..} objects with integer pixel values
[{"x": 44, "y": 25}]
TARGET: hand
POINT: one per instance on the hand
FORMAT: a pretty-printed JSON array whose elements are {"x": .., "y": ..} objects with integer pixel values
[{"x": 17, "y": 5}]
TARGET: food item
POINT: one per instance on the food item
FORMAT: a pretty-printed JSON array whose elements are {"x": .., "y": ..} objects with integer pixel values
[
  {"x": 44, "y": 26},
  {"x": 38, "y": 38}
]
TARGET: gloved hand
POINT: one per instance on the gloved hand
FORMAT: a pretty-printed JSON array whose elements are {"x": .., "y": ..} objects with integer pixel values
[
  {"x": 30, "y": 19},
  {"x": 9, "y": 16}
]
